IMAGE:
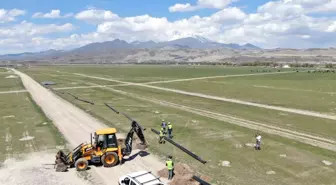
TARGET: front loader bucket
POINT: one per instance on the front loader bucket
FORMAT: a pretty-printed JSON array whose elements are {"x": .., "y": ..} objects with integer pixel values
[{"x": 61, "y": 162}]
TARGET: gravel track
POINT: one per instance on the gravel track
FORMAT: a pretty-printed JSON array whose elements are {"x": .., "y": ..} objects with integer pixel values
[
  {"x": 76, "y": 126},
  {"x": 212, "y": 77}
]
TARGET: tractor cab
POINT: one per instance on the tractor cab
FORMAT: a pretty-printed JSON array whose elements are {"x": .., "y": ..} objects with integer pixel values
[{"x": 105, "y": 140}]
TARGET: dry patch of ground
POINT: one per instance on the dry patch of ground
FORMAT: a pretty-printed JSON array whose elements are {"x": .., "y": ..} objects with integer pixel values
[{"x": 34, "y": 169}]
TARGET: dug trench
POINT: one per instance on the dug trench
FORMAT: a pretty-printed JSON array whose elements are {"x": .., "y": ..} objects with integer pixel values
[{"x": 76, "y": 126}]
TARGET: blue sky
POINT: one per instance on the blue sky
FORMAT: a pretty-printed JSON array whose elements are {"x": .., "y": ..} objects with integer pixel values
[{"x": 264, "y": 23}]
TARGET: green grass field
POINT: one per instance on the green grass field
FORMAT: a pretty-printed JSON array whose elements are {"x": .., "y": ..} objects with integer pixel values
[
  {"x": 213, "y": 140},
  {"x": 315, "y": 92},
  {"x": 66, "y": 80},
  {"x": 10, "y": 83},
  {"x": 147, "y": 73},
  {"x": 3, "y": 69},
  {"x": 24, "y": 128}
]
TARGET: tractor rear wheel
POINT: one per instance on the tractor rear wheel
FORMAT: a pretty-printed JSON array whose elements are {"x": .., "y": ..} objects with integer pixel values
[
  {"x": 109, "y": 159},
  {"x": 81, "y": 164}
]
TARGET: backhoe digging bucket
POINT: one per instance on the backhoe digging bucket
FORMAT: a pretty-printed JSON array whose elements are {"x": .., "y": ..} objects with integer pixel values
[{"x": 61, "y": 163}]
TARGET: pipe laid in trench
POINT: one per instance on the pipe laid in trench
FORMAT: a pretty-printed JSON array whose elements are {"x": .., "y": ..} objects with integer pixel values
[
  {"x": 86, "y": 101},
  {"x": 201, "y": 181},
  {"x": 180, "y": 147}
]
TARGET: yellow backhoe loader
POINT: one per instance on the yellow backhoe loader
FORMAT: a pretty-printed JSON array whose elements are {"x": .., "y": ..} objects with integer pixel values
[{"x": 104, "y": 150}]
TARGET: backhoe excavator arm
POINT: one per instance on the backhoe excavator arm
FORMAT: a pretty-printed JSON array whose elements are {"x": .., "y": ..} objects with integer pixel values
[{"x": 135, "y": 127}]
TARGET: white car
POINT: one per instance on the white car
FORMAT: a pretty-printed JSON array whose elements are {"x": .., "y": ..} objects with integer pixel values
[{"x": 140, "y": 178}]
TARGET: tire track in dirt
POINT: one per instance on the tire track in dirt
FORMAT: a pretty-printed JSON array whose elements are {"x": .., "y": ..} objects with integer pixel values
[
  {"x": 230, "y": 100},
  {"x": 294, "y": 135},
  {"x": 212, "y": 77},
  {"x": 76, "y": 126}
]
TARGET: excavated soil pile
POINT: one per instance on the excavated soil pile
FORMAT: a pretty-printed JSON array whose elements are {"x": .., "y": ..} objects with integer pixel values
[
  {"x": 136, "y": 144},
  {"x": 182, "y": 175},
  {"x": 184, "y": 180}
]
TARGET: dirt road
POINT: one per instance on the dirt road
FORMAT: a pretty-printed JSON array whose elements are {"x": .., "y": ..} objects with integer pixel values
[
  {"x": 284, "y": 109},
  {"x": 223, "y": 76},
  {"x": 76, "y": 126}
]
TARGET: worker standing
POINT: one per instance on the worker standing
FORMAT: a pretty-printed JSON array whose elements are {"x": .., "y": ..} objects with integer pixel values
[
  {"x": 258, "y": 142},
  {"x": 170, "y": 130},
  {"x": 161, "y": 139},
  {"x": 163, "y": 126},
  {"x": 170, "y": 167}
]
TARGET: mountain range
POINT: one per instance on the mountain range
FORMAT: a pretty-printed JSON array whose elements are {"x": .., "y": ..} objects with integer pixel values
[{"x": 193, "y": 42}]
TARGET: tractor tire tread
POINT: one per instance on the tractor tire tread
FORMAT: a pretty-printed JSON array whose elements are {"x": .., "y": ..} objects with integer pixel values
[
  {"x": 79, "y": 161},
  {"x": 115, "y": 155}
]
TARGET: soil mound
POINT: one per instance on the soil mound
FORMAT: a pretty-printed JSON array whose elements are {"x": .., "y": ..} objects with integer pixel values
[
  {"x": 184, "y": 180},
  {"x": 182, "y": 175}
]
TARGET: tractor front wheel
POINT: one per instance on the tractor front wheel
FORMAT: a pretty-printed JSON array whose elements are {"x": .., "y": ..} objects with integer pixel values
[
  {"x": 109, "y": 159},
  {"x": 81, "y": 164}
]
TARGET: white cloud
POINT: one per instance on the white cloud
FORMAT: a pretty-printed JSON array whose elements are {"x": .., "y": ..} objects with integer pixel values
[
  {"x": 332, "y": 27},
  {"x": 26, "y": 29},
  {"x": 282, "y": 23},
  {"x": 307, "y": 6},
  {"x": 216, "y": 4},
  {"x": 228, "y": 14},
  {"x": 329, "y": 6},
  {"x": 10, "y": 15},
  {"x": 277, "y": 23},
  {"x": 95, "y": 16},
  {"x": 182, "y": 8},
  {"x": 283, "y": 10},
  {"x": 54, "y": 14}
]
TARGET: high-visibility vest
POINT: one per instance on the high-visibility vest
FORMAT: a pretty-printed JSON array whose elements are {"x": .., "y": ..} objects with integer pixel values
[
  {"x": 161, "y": 133},
  {"x": 169, "y": 165},
  {"x": 170, "y": 126}
]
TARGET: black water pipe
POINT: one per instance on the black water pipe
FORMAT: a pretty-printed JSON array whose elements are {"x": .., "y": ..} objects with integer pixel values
[{"x": 181, "y": 147}]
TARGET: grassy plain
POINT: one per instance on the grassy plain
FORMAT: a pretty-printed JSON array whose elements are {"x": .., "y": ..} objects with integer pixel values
[
  {"x": 10, "y": 83},
  {"x": 62, "y": 79},
  {"x": 3, "y": 69},
  {"x": 148, "y": 73},
  {"x": 213, "y": 140},
  {"x": 240, "y": 85},
  {"x": 308, "y": 91},
  {"x": 24, "y": 128}
]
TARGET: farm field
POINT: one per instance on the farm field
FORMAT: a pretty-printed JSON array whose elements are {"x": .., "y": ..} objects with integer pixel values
[
  {"x": 148, "y": 73},
  {"x": 65, "y": 80},
  {"x": 281, "y": 161},
  {"x": 3, "y": 70},
  {"x": 9, "y": 82},
  {"x": 314, "y": 92},
  {"x": 24, "y": 128},
  {"x": 302, "y": 123}
]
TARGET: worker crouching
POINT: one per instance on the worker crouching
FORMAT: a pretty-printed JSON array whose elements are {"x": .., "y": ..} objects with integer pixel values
[
  {"x": 170, "y": 167},
  {"x": 161, "y": 139}
]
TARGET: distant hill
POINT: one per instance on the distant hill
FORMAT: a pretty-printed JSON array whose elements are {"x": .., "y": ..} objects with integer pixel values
[
  {"x": 191, "y": 42},
  {"x": 18, "y": 56},
  {"x": 188, "y": 42}
]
